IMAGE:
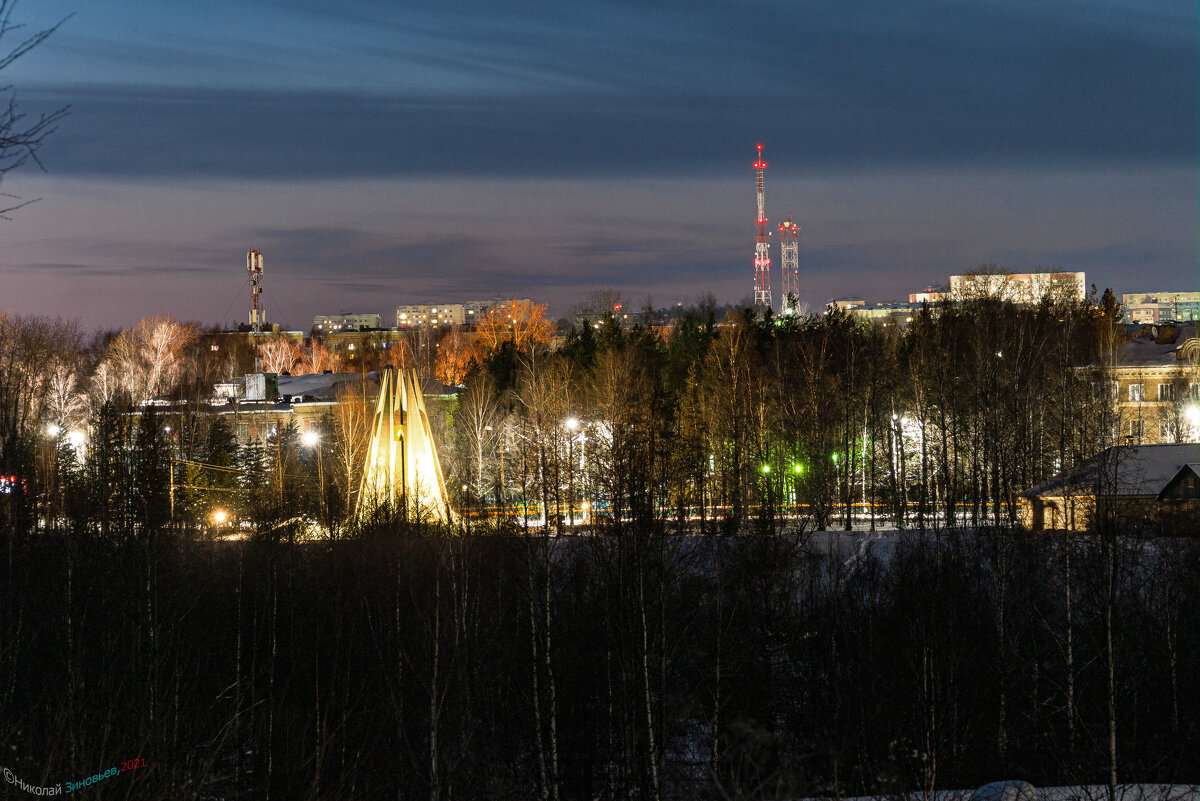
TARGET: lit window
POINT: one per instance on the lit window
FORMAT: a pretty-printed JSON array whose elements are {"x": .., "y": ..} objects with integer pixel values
[{"x": 1137, "y": 392}]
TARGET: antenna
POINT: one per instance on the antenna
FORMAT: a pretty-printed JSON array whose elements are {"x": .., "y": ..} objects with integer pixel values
[
  {"x": 762, "y": 248},
  {"x": 254, "y": 265},
  {"x": 789, "y": 257}
]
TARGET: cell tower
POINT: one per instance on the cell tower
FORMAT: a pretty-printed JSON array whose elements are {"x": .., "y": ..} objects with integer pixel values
[
  {"x": 762, "y": 247},
  {"x": 254, "y": 266},
  {"x": 789, "y": 256}
]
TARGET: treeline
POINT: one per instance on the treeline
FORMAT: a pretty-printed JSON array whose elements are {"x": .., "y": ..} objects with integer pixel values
[
  {"x": 747, "y": 419},
  {"x": 742, "y": 423},
  {"x": 637, "y": 666}
]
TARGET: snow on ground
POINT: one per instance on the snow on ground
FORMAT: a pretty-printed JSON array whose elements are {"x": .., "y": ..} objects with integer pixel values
[{"x": 1022, "y": 791}]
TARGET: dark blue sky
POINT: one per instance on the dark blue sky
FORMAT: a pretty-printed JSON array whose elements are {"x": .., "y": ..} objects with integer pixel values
[{"x": 380, "y": 153}]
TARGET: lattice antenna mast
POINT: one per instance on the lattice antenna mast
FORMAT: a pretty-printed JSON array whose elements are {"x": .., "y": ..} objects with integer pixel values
[
  {"x": 254, "y": 267},
  {"x": 762, "y": 247},
  {"x": 789, "y": 257}
]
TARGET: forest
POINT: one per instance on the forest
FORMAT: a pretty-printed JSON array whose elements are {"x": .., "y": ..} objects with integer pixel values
[{"x": 637, "y": 598}]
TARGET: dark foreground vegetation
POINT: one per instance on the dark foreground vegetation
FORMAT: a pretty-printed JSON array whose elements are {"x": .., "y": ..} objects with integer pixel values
[{"x": 620, "y": 666}]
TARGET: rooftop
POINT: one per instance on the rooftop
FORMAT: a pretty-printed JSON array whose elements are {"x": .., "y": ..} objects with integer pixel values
[{"x": 1130, "y": 470}]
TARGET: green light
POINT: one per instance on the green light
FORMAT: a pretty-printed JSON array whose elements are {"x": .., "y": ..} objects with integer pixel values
[
  {"x": 835, "y": 458},
  {"x": 766, "y": 468},
  {"x": 799, "y": 468}
]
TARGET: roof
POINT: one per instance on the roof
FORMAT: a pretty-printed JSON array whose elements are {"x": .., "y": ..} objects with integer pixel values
[
  {"x": 318, "y": 386},
  {"x": 1144, "y": 351},
  {"x": 1126, "y": 469},
  {"x": 1192, "y": 469},
  {"x": 324, "y": 386}
]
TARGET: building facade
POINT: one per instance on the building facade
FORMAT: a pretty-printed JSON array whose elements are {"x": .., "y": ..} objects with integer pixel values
[
  {"x": 441, "y": 315},
  {"x": 1156, "y": 383},
  {"x": 365, "y": 349},
  {"x": 930, "y": 296},
  {"x": 233, "y": 351},
  {"x": 432, "y": 315},
  {"x": 899, "y": 314},
  {"x": 347, "y": 321},
  {"x": 1153, "y": 308},
  {"x": 1025, "y": 288}
]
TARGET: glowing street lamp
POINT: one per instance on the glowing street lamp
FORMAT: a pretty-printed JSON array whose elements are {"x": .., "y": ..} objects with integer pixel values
[
  {"x": 1192, "y": 413},
  {"x": 572, "y": 425},
  {"x": 311, "y": 439},
  {"x": 219, "y": 517},
  {"x": 53, "y": 430}
]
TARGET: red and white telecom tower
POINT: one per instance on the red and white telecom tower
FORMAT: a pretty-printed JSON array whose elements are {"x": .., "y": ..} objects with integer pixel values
[
  {"x": 789, "y": 257},
  {"x": 762, "y": 248}
]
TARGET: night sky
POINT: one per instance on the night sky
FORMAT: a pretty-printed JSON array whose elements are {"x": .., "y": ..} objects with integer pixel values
[{"x": 381, "y": 153}]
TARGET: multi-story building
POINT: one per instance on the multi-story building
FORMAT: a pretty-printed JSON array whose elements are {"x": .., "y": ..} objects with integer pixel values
[
  {"x": 1157, "y": 386},
  {"x": 346, "y": 321},
  {"x": 474, "y": 310},
  {"x": 1027, "y": 288},
  {"x": 899, "y": 314},
  {"x": 233, "y": 351},
  {"x": 431, "y": 315},
  {"x": 440, "y": 315},
  {"x": 365, "y": 349},
  {"x": 931, "y": 295},
  {"x": 1161, "y": 307}
]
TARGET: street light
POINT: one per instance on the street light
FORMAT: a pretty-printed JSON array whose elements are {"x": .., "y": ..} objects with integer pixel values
[
  {"x": 1191, "y": 413},
  {"x": 53, "y": 430},
  {"x": 571, "y": 425},
  {"x": 312, "y": 439}
]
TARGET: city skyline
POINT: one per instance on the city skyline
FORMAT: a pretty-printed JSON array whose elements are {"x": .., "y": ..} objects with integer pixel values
[{"x": 379, "y": 157}]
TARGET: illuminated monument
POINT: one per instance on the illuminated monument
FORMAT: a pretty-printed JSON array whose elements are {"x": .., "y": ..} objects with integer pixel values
[{"x": 402, "y": 464}]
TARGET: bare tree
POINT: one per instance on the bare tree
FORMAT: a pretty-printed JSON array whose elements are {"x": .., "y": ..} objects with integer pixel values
[
  {"x": 20, "y": 137},
  {"x": 455, "y": 355},
  {"x": 279, "y": 355},
  {"x": 351, "y": 421},
  {"x": 523, "y": 322},
  {"x": 316, "y": 358},
  {"x": 479, "y": 415},
  {"x": 149, "y": 359},
  {"x": 66, "y": 403}
]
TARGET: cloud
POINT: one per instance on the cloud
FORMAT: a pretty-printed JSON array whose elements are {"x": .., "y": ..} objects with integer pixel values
[{"x": 615, "y": 89}]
